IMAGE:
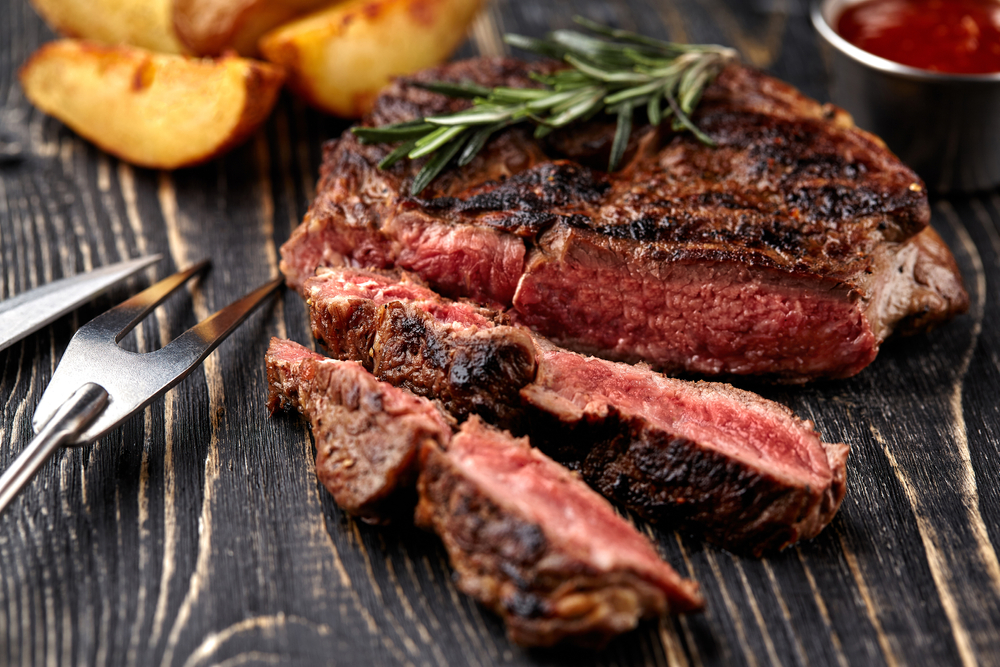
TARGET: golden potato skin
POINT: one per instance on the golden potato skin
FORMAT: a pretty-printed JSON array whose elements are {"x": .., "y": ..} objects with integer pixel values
[
  {"x": 212, "y": 27},
  {"x": 150, "y": 109},
  {"x": 339, "y": 58},
  {"x": 144, "y": 23}
]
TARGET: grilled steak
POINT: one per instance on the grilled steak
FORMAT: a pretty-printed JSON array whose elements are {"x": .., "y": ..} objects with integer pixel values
[
  {"x": 740, "y": 469},
  {"x": 790, "y": 250},
  {"x": 367, "y": 432},
  {"x": 528, "y": 539},
  {"x": 463, "y": 355}
]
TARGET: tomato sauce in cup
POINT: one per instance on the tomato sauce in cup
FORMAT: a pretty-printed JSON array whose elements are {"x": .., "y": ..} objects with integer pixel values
[{"x": 955, "y": 36}]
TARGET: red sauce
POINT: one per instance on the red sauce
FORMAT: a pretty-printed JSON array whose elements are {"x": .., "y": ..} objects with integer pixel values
[{"x": 957, "y": 36}]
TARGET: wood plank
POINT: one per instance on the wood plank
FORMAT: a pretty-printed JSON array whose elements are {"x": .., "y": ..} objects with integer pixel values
[{"x": 197, "y": 533}]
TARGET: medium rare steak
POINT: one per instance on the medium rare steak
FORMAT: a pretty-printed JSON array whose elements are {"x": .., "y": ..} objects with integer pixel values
[
  {"x": 742, "y": 470},
  {"x": 790, "y": 250},
  {"x": 528, "y": 539},
  {"x": 368, "y": 433},
  {"x": 465, "y": 356}
]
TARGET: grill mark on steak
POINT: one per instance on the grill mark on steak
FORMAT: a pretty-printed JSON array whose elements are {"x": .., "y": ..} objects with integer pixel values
[
  {"x": 803, "y": 209},
  {"x": 462, "y": 355},
  {"x": 368, "y": 433},
  {"x": 708, "y": 457},
  {"x": 528, "y": 539},
  {"x": 527, "y": 199}
]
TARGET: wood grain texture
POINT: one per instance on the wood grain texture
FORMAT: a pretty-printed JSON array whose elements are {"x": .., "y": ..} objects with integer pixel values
[{"x": 197, "y": 534}]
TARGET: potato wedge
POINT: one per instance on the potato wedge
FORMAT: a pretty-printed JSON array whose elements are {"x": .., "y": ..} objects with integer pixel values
[
  {"x": 151, "y": 109},
  {"x": 339, "y": 58},
  {"x": 211, "y": 27},
  {"x": 145, "y": 23}
]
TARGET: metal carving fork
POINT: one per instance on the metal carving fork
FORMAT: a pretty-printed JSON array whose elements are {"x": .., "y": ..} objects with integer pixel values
[{"x": 98, "y": 385}]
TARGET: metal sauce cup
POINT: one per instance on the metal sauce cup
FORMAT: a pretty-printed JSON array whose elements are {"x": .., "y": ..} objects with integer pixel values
[{"x": 945, "y": 126}]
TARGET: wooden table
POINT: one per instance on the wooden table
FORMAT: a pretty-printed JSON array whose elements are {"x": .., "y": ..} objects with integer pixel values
[{"x": 197, "y": 534}]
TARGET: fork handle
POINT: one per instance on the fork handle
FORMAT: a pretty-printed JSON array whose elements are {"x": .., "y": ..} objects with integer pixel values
[{"x": 80, "y": 408}]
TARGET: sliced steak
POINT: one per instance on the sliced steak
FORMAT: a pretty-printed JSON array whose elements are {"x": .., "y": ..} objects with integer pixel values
[
  {"x": 368, "y": 433},
  {"x": 528, "y": 539},
  {"x": 463, "y": 355},
  {"x": 705, "y": 456},
  {"x": 740, "y": 469},
  {"x": 790, "y": 250}
]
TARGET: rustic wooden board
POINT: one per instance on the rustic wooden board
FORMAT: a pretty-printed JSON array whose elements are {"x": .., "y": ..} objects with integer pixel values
[{"x": 197, "y": 534}]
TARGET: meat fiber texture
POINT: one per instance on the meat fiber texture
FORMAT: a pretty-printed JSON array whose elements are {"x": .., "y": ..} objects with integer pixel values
[
  {"x": 790, "y": 250},
  {"x": 526, "y": 537},
  {"x": 368, "y": 433},
  {"x": 726, "y": 463}
]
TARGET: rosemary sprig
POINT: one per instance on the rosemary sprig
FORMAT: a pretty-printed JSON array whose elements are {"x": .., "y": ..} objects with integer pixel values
[{"x": 614, "y": 71}]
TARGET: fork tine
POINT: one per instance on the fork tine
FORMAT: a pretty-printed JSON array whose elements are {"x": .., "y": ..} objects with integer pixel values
[
  {"x": 198, "y": 342},
  {"x": 118, "y": 321},
  {"x": 132, "y": 379}
]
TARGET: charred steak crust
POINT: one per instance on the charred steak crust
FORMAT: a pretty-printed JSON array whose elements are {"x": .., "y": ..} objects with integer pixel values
[
  {"x": 705, "y": 456},
  {"x": 368, "y": 433},
  {"x": 544, "y": 590},
  {"x": 473, "y": 367},
  {"x": 795, "y": 215}
]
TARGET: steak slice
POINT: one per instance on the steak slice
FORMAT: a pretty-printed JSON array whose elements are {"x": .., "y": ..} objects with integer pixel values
[
  {"x": 368, "y": 433},
  {"x": 705, "y": 456},
  {"x": 528, "y": 539},
  {"x": 790, "y": 250},
  {"x": 740, "y": 469},
  {"x": 467, "y": 357}
]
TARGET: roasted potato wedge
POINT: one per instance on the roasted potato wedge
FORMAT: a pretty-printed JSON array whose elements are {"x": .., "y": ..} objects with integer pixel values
[
  {"x": 211, "y": 27},
  {"x": 145, "y": 23},
  {"x": 339, "y": 58},
  {"x": 151, "y": 109}
]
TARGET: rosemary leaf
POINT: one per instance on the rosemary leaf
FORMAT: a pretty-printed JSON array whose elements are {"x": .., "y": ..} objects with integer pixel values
[
  {"x": 515, "y": 95},
  {"x": 606, "y": 75},
  {"x": 435, "y": 140},
  {"x": 473, "y": 116},
  {"x": 630, "y": 93},
  {"x": 573, "y": 100},
  {"x": 622, "y": 132},
  {"x": 682, "y": 118},
  {"x": 434, "y": 166},
  {"x": 692, "y": 83},
  {"x": 553, "y": 100},
  {"x": 477, "y": 141},
  {"x": 654, "y": 108},
  {"x": 583, "y": 107},
  {"x": 579, "y": 44},
  {"x": 398, "y": 154}
]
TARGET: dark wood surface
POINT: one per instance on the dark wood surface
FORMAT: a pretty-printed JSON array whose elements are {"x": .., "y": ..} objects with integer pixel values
[{"x": 196, "y": 534}]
